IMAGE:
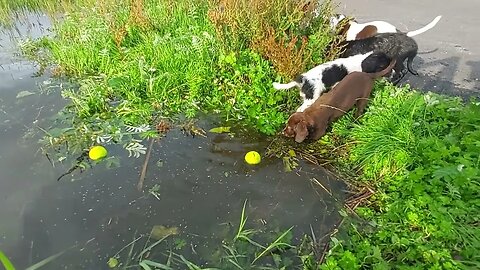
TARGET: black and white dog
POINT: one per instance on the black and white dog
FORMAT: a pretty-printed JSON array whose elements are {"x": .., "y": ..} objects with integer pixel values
[
  {"x": 322, "y": 77},
  {"x": 396, "y": 46}
]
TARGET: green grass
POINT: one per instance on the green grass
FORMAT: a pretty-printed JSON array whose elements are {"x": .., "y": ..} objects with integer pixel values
[
  {"x": 421, "y": 153},
  {"x": 12, "y": 10}
]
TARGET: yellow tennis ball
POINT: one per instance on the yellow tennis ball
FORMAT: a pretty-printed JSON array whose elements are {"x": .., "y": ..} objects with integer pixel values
[
  {"x": 97, "y": 152},
  {"x": 253, "y": 157}
]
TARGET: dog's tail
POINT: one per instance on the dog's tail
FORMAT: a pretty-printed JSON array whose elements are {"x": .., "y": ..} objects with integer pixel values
[
  {"x": 385, "y": 71},
  {"x": 282, "y": 86},
  {"x": 425, "y": 28}
]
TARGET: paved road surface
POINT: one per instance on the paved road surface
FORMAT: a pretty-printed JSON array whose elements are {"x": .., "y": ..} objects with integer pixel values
[{"x": 449, "y": 54}]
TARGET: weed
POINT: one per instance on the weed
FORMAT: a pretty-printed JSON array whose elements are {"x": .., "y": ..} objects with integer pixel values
[
  {"x": 243, "y": 87},
  {"x": 384, "y": 140}
]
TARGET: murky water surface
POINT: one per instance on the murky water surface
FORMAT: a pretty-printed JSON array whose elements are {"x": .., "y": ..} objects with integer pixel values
[{"x": 197, "y": 185}]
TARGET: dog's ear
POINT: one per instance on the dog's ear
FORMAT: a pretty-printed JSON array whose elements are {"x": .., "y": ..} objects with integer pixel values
[{"x": 301, "y": 131}]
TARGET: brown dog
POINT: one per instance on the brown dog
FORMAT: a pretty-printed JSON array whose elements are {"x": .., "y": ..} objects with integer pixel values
[{"x": 354, "y": 89}]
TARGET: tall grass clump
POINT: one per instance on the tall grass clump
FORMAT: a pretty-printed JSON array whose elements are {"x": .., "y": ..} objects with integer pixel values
[
  {"x": 382, "y": 141},
  {"x": 242, "y": 248}
]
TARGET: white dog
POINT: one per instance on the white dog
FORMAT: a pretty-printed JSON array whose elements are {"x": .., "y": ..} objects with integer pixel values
[{"x": 355, "y": 30}]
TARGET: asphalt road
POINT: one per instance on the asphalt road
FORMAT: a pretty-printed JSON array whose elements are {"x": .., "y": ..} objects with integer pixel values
[{"x": 449, "y": 54}]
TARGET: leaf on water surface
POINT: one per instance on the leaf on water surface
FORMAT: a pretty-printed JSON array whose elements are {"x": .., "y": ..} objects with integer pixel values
[
  {"x": 24, "y": 93},
  {"x": 160, "y": 163},
  {"x": 180, "y": 243},
  {"x": 220, "y": 130},
  {"x": 112, "y": 162},
  {"x": 289, "y": 163},
  {"x": 159, "y": 231},
  {"x": 135, "y": 148},
  {"x": 112, "y": 262}
]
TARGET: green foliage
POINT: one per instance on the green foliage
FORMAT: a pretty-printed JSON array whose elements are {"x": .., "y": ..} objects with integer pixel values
[
  {"x": 384, "y": 137},
  {"x": 422, "y": 152},
  {"x": 243, "y": 87}
]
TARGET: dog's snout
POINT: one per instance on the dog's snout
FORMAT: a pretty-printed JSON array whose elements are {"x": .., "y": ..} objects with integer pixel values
[{"x": 288, "y": 132}]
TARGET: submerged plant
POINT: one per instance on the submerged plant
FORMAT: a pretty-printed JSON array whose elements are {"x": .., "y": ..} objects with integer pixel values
[{"x": 244, "y": 250}]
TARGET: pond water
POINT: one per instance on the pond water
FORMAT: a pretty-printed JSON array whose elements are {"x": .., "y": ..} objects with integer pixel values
[{"x": 195, "y": 186}]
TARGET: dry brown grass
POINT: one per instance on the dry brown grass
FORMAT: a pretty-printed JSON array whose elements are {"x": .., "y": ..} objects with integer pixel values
[
  {"x": 240, "y": 22},
  {"x": 118, "y": 28},
  {"x": 137, "y": 15},
  {"x": 289, "y": 57}
]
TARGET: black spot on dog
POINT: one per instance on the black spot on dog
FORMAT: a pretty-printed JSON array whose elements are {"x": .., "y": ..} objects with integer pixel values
[
  {"x": 375, "y": 62},
  {"x": 333, "y": 74},
  {"x": 308, "y": 89}
]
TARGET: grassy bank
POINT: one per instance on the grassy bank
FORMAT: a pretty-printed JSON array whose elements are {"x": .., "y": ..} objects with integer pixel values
[
  {"x": 420, "y": 153},
  {"x": 138, "y": 62}
]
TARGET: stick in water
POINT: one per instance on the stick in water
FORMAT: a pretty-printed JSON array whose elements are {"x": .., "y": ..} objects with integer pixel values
[{"x": 144, "y": 168}]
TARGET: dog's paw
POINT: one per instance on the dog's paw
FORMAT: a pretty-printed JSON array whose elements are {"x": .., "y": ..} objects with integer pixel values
[{"x": 277, "y": 85}]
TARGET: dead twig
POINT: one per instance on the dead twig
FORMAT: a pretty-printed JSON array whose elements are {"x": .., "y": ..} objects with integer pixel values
[
  {"x": 145, "y": 165},
  {"x": 355, "y": 200},
  {"x": 315, "y": 181}
]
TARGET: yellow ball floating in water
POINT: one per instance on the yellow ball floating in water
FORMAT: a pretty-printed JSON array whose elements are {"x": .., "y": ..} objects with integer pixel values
[
  {"x": 253, "y": 157},
  {"x": 97, "y": 152}
]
